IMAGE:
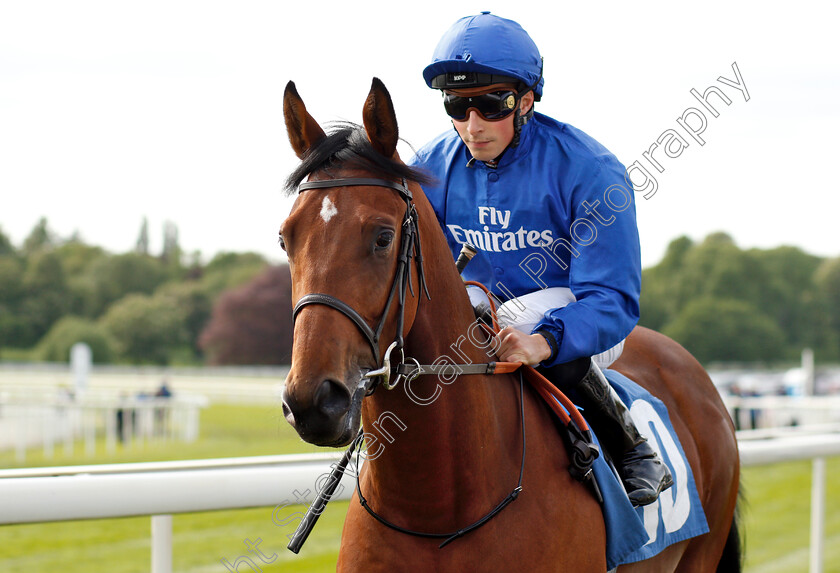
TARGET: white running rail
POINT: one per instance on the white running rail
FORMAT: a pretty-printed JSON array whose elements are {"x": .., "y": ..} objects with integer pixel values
[{"x": 161, "y": 489}]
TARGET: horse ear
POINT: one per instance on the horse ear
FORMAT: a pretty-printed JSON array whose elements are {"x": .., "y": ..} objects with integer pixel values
[
  {"x": 304, "y": 131},
  {"x": 380, "y": 119}
]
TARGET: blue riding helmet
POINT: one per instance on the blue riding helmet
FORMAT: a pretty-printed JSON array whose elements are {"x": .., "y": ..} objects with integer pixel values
[{"x": 482, "y": 50}]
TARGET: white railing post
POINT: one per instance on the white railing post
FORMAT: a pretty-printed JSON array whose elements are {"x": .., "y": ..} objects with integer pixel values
[
  {"x": 21, "y": 436},
  {"x": 89, "y": 425},
  {"x": 48, "y": 436},
  {"x": 817, "y": 514},
  {"x": 161, "y": 544}
]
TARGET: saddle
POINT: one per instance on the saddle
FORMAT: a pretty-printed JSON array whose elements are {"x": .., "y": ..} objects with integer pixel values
[{"x": 637, "y": 533}]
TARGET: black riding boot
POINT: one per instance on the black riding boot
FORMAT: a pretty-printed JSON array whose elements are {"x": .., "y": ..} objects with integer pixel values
[{"x": 642, "y": 471}]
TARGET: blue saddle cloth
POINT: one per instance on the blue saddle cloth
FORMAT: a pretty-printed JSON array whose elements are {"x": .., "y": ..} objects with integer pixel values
[{"x": 637, "y": 533}]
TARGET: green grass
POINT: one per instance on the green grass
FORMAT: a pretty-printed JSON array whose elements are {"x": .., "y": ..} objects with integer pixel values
[
  {"x": 201, "y": 541},
  {"x": 776, "y": 517}
]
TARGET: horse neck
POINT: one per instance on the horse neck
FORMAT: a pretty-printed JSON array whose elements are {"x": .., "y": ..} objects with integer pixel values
[{"x": 456, "y": 431}]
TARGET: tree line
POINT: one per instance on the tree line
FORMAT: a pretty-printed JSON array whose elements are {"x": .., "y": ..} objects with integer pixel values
[
  {"x": 138, "y": 307},
  {"x": 724, "y": 303},
  {"x": 721, "y": 302}
]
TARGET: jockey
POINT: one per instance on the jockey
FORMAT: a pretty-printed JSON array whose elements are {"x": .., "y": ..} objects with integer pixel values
[{"x": 553, "y": 219}]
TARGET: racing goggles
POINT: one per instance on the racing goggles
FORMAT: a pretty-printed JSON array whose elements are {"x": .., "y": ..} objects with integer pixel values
[{"x": 492, "y": 106}]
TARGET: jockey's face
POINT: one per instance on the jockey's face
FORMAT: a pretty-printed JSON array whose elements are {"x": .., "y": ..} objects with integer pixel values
[{"x": 487, "y": 139}]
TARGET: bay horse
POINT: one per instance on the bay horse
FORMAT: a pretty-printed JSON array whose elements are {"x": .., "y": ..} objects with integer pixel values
[{"x": 442, "y": 451}]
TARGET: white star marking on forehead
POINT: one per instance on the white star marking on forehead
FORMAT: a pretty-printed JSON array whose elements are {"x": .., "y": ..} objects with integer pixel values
[{"x": 328, "y": 210}]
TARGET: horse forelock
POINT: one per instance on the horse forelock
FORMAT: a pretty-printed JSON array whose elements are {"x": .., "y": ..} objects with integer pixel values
[{"x": 347, "y": 145}]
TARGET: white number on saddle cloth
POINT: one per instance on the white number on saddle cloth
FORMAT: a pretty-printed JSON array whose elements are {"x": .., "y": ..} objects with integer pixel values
[{"x": 674, "y": 504}]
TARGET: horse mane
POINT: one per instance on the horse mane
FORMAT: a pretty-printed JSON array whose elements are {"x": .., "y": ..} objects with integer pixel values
[{"x": 347, "y": 145}]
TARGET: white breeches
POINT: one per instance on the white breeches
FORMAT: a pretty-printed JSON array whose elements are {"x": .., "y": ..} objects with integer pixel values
[{"x": 524, "y": 312}]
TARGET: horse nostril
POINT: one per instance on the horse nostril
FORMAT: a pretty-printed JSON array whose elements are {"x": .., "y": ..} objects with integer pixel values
[
  {"x": 288, "y": 413},
  {"x": 332, "y": 398}
]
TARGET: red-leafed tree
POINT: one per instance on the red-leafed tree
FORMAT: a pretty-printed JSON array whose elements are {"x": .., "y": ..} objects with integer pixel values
[{"x": 252, "y": 324}]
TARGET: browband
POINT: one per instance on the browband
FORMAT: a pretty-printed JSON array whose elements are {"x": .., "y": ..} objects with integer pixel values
[{"x": 357, "y": 181}]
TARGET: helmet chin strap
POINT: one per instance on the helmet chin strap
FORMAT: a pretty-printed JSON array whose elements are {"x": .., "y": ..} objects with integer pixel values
[{"x": 518, "y": 121}]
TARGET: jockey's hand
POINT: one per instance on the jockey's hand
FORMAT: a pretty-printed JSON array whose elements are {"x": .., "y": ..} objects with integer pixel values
[{"x": 517, "y": 346}]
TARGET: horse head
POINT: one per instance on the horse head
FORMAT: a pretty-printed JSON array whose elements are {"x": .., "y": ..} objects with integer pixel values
[{"x": 350, "y": 240}]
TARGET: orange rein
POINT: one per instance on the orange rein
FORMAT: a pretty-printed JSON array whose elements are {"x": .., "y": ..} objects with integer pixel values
[{"x": 541, "y": 384}]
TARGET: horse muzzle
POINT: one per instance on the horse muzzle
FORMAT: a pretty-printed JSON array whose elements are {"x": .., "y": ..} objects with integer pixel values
[{"x": 326, "y": 412}]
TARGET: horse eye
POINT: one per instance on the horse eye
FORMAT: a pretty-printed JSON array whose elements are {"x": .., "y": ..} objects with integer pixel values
[
  {"x": 384, "y": 240},
  {"x": 282, "y": 242}
]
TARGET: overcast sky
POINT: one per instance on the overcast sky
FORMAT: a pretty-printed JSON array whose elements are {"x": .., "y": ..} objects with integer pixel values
[{"x": 115, "y": 111}]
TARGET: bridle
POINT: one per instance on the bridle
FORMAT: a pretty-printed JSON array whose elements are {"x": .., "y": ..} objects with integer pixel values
[{"x": 409, "y": 247}]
